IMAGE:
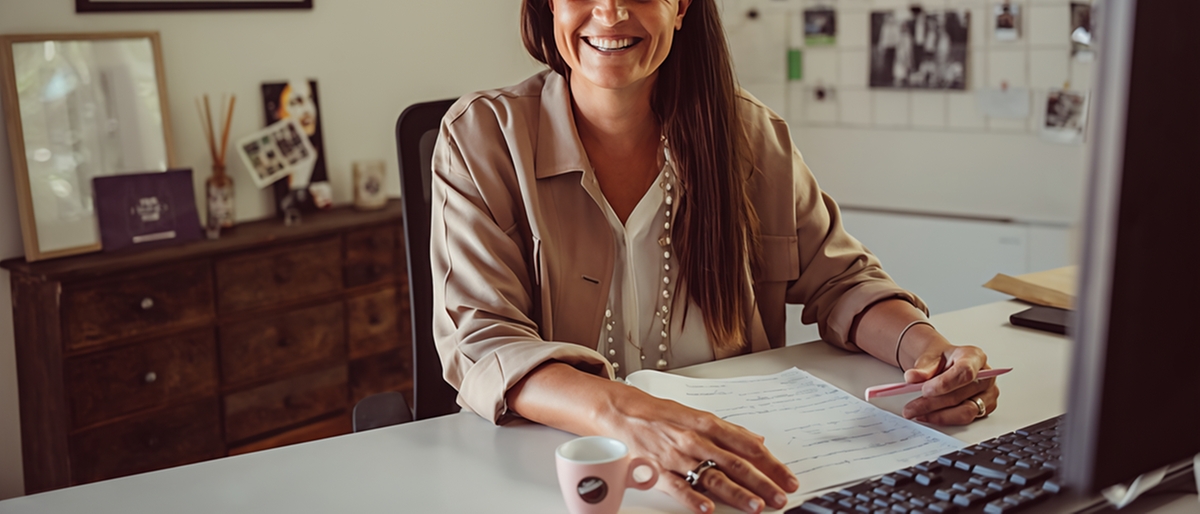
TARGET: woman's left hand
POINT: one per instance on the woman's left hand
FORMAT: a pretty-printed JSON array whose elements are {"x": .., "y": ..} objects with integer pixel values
[{"x": 950, "y": 390}]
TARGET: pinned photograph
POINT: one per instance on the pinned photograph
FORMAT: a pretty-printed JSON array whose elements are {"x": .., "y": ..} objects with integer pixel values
[
  {"x": 1081, "y": 32},
  {"x": 917, "y": 49},
  {"x": 1066, "y": 116},
  {"x": 278, "y": 151},
  {"x": 820, "y": 27},
  {"x": 299, "y": 99},
  {"x": 1007, "y": 21}
]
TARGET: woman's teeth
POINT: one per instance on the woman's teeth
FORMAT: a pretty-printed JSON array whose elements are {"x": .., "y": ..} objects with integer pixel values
[{"x": 610, "y": 44}]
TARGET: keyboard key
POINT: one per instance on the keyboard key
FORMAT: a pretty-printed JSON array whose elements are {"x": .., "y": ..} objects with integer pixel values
[
  {"x": 969, "y": 499},
  {"x": 942, "y": 507},
  {"x": 990, "y": 470},
  {"x": 907, "y": 472},
  {"x": 928, "y": 480},
  {"x": 901, "y": 496},
  {"x": 865, "y": 508},
  {"x": 819, "y": 506},
  {"x": 961, "y": 487},
  {"x": 846, "y": 492},
  {"x": 895, "y": 480},
  {"x": 1003, "y": 460},
  {"x": 883, "y": 490},
  {"x": 1053, "y": 486},
  {"x": 929, "y": 467},
  {"x": 903, "y": 507},
  {"x": 1029, "y": 476},
  {"x": 883, "y": 503},
  {"x": 944, "y": 494},
  {"x": 920, "y": 501},
  {"x": 849, "y": 503},
  {"x": 1000, "y": 507},
  {"x": 1027, "y": 464}
]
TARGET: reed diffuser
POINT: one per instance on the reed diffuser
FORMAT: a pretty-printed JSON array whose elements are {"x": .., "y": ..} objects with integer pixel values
[{"x": 219, "y": 187}]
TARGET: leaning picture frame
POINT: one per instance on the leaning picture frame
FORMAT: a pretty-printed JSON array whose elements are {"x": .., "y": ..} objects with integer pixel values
[
  {"x": 83, "y": 6},
  {"x": 87, "y": 105}
]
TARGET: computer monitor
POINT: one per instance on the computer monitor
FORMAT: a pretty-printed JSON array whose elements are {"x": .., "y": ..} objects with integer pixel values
[{"x": 1135, "y": 395}]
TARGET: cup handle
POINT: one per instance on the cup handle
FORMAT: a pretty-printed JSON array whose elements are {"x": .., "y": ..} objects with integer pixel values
[{"x": 633, "y": 465}]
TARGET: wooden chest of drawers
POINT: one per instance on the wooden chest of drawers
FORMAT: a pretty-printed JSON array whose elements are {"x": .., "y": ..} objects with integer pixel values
[{"x": 132, "y": 362}]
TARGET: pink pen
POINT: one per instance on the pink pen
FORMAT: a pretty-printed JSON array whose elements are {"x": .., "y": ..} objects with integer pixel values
[{"x": 881, "y": 391}]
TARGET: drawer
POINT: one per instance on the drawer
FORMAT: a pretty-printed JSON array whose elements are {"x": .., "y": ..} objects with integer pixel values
[
  {"x": 289, "y": 273},
  {"x": 302, "y": 336},
  {"x": 160, "y": 299},
  {"x": 115, "y": 382},
  {"x": 338, "y": 425},
  {"x": 283, "y": 403},
  {"x": 370, "y": 256},
  {"x": 374, "y": 324},
  {"x": 388, "y": 371},
  {"x": 172, "y": 437}
]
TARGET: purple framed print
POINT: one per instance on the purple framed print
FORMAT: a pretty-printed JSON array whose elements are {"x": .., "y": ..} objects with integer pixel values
[
  {"x": 186, "y": 5},
  {"x": 146, "y": 210}
]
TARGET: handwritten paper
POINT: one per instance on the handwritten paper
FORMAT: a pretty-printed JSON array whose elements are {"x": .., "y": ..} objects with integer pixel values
[{"x": 823, "y": 434}]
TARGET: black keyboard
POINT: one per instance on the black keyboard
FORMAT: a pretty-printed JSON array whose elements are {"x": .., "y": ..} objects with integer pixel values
[{"x": 1007, "y": 474}]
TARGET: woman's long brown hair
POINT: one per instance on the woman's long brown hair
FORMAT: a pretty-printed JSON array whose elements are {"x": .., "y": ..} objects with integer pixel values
[{"x": 715, "y": 233}]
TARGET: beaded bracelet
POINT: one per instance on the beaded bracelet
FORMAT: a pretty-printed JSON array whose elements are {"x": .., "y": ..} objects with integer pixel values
[{"x": 901, "y": 338}]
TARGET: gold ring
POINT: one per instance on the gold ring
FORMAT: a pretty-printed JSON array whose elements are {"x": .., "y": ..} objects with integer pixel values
[{"x": 979, "y": 405}]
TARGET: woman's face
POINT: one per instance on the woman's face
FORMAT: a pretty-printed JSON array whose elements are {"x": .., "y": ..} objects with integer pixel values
[
  {"x": 298, "y": 104},
  {"x": 614, "y": 44}
]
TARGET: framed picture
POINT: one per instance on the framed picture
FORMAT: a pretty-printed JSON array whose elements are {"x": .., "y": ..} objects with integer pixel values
[
  {"x": 913, "y": 48},
  {"x": 64, "y": 131},
  {"x": 145, "y": 210},
  {"x": 186, "y": 5},
  {"x": 298, "y": 100}
]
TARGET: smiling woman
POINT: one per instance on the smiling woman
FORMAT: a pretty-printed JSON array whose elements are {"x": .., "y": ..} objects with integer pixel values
[{"x": 633, "y": 208}]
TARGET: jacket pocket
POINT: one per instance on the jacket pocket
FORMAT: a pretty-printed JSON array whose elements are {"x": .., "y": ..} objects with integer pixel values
[{"x": 780, "y": 259}]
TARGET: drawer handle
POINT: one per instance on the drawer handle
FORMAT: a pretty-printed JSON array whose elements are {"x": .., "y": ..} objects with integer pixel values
[
  {"x": 150, "y": 377},
  {"x": 147, "y": 303}
]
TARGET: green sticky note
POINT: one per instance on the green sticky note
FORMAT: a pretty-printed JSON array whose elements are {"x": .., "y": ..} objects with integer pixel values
[{"x": 795, "y": 64}]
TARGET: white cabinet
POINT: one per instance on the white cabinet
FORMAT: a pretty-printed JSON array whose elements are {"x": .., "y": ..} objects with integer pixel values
[{"x": 945, "y": 260}]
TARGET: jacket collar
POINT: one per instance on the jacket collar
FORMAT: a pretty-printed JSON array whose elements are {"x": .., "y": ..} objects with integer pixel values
[{"x": 559, "y": 149}]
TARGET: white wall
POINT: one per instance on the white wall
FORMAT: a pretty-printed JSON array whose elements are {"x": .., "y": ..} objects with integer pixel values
[{"x": 371, "y": 58}]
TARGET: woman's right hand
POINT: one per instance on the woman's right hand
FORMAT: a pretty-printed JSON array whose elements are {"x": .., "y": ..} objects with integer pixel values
[
  {"x": 674, "y": 437},
  {"x": 679, "y": 438}
]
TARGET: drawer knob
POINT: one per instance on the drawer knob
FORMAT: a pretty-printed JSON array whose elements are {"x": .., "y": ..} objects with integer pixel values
[
  {"x": 147, "y": 303},
  {"x": 150, "y": 377},
  {"x": 373, "y": 319}
]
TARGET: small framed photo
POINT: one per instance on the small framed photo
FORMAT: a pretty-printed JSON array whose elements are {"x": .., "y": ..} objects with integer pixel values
[
  {"x": 145, "y": 210},
  {"x": 276, "y": 152},
  {"x": 1065, "y": 117},
  {"x": 820, "y": 27},
  {"x": 1007, "y": 18}
]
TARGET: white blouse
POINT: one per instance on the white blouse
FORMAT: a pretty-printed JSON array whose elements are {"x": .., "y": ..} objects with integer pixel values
[{"x": 631, "y": 335}]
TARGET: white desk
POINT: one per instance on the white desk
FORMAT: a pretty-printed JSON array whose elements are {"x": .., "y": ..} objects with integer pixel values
[{"x": 463, "y": 464}]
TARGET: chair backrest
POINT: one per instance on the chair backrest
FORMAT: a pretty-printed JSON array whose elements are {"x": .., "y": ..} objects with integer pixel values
[
  {"x": 416, "y": 132},
  {"x": 381, "y": 410}
]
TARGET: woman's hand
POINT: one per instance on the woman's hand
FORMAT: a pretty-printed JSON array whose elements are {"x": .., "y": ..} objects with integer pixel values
[
  {"x": 676, "y": 438},
  {"x": 679, "y": 438},
  {"x": 950, "y": 388}
]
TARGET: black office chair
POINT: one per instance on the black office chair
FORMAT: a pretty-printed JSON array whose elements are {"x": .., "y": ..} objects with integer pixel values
[
  {"x": 381, "y": 410},
  {"x": 416, "y": 132}
]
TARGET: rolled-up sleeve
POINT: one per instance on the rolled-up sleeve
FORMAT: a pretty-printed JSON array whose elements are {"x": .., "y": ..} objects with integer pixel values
[
  {"x": 480, "y": 262},
  {"x": 839, "y": 278}
]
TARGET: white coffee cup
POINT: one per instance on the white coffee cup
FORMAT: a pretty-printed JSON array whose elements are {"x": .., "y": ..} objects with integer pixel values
[{"x": 594, "y": 471}]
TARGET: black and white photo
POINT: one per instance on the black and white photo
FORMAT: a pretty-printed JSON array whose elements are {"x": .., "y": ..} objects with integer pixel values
[
  {"x": 918, "y": 49},
  {"x": 1007, "y": 18},
  {"x": 275, "y": 152},
  {"x": 1065, "y": 116}
]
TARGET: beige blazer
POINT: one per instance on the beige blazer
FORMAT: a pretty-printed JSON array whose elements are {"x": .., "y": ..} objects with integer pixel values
[{"x": 522, "y": 255}]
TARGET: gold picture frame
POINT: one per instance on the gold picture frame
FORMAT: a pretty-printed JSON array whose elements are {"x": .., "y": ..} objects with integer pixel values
[{"x": 91, "y": 104}]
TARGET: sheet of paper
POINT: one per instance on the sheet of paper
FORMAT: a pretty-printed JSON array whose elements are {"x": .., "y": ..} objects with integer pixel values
[
  {"x": 1008, "y": 103},
  {"x": 825, "y": 435}
]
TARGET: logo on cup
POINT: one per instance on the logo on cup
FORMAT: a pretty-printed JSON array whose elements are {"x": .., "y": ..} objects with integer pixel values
[{"x": 592, "y": 490}]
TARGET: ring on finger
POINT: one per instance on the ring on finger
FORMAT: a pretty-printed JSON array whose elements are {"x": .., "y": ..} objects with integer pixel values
[
  {"x": 693, "y": 476},
  {"x": 980, "y": 406}
]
